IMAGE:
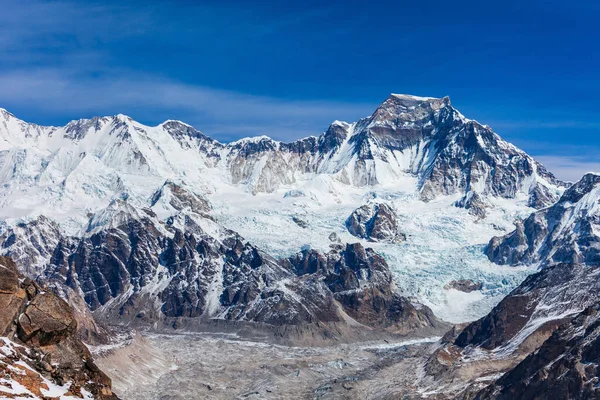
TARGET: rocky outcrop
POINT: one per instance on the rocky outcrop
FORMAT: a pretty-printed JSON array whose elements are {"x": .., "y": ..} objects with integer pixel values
[
  {"x": 361, "y": 282},
  {"x": 566, "y": 232},
  {"x": 41, "y": 351},
  {"x": 537, "y": 306},
  {"x": 375, "y": 222},
  {"x": 300, "y": 222},
  {"x": 540, "y": 196},
  {"x": 175, "y": 197},
  {"x": 464, "y": 285},
  {"x": 474, "y": 203},
  {"x": 566, "y": 366}
]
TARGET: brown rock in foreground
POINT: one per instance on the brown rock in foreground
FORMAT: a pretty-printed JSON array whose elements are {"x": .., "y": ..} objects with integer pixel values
[{"x": 41, "y": 354}]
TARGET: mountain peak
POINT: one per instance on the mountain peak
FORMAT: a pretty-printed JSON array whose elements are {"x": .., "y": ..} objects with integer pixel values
[
  {"x": 585, "y": 185},
  {"x": 252, "y": 139},
  {"x": 175, "y": 122},
  {"x": 413, "y": 97},
  {"x": 409, "y": 108},
  {"x": 410, "y": 100},
  {"x": 123, "y": 117}
]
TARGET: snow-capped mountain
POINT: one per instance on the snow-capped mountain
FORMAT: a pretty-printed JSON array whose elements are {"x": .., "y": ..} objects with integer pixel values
[
  {"x": 355, "y": 230},
  {"x": 120, "y": 212},
  {"x": 77, "y": 169},
  {"x": 567, "y": 232}
]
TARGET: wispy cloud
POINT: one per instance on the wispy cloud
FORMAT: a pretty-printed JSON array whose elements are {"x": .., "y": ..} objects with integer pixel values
[
  {"x": 222, "y": 113},
  {"x": 569, "y": 168},
  {"x": 545, "y": 124},
  {"x": 57, "y": 64}
]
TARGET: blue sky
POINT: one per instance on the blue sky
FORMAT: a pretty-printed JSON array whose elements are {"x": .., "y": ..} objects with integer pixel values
[{"x": 287, "y": 69}]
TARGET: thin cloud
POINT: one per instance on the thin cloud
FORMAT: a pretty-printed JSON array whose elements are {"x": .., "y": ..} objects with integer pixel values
[
  {"x": 560, "y": 124},
  {"x": 152, "y": 99},
  {"x": 58, "y": 65},
  {"x": 569, "y": 168}
]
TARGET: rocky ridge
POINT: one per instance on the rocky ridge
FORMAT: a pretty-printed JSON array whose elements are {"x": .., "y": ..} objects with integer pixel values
[
  {"x": 375, "y": 222},
  {"x": 565, "y": 232},
  {"x": 565, "y": 366}
]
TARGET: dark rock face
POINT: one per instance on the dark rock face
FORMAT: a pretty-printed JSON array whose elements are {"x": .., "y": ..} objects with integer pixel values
[
  {"x": 375, "y": 222},
  {"x": 540, "y": 303},
  {"x": 564, "y": 367},
  {"x": 300, "y": 222},
  {"x": 473, "y": 202},
  {"x": 45, "y": 325},
  {"x": 565, "y": 232},
  {"x": 361, "y": 282},
  {"x": 464, "y": 285},
  {"x": 334, "y": 238}
]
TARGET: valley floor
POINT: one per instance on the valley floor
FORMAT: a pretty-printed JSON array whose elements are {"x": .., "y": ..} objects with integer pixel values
[{"x": 222, "y": 366}]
